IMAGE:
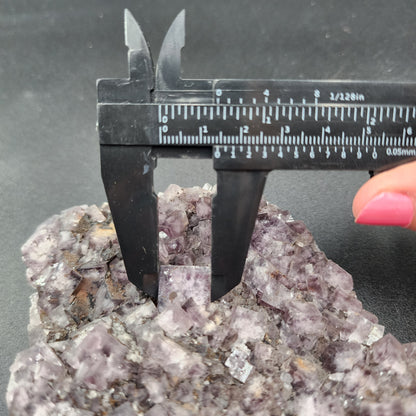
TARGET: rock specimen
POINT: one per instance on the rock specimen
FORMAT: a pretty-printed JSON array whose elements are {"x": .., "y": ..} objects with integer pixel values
[{"x": 291, "y": 339}]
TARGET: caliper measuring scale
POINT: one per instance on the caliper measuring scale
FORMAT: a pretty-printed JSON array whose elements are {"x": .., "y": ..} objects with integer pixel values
[{"x": 248, "y": 127}]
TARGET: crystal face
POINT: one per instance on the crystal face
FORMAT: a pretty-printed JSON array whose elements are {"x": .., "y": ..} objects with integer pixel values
[{"x": 291, "y": 339}]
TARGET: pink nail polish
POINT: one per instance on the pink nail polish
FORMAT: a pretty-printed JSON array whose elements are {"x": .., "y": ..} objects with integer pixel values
[{"x": 387, "y": 208}]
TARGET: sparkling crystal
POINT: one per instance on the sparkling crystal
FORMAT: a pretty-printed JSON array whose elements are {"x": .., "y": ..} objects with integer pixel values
[{"x": 237, "y": 362}]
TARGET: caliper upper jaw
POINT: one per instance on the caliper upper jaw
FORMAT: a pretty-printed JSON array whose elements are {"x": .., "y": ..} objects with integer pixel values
[
  {"x": 168, "y": 69},
  {"x": 140, "y": 84},
  {"x": 169, "y": 84},
  {"x": 127, "y": 162}
]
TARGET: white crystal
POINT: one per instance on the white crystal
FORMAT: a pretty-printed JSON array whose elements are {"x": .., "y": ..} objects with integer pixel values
[{"x": 237, "y": 362}]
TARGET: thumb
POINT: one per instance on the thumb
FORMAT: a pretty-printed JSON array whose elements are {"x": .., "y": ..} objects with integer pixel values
[{"x": 388, "y": 198}]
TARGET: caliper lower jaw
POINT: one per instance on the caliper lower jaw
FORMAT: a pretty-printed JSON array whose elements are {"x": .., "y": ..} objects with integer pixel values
[
  {"x": 127, "y": 163},
  {"x": 234, "y": 213},
  {"x": 127, "y": 173}
]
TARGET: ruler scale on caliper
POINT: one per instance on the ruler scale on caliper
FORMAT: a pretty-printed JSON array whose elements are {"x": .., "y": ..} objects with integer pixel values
[{"x": 248, "y": 127}]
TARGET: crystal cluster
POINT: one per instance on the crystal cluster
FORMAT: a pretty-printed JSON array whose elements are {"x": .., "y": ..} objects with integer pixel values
[{"x": 291, "y": 339}]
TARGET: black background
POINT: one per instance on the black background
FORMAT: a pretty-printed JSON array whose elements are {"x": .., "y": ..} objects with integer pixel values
[{"x": 52, "y": 52}]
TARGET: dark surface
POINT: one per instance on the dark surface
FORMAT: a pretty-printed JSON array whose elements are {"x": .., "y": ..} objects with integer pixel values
[{"x": 51, "y": 53}]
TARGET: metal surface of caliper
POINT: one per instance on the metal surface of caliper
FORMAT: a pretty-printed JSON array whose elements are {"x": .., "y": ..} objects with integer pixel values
[{"x": 248, "y": 128}]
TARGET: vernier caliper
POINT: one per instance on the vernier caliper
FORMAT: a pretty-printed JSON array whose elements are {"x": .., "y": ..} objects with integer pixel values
[{"x": 248, "y": 127}]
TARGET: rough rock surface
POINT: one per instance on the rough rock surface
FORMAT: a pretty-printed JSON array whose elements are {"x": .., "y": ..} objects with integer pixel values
[{"x": 292, "y": 339}]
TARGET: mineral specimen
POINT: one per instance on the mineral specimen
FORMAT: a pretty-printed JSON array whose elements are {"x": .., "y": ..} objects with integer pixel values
[{"x": 291, "y": 339}]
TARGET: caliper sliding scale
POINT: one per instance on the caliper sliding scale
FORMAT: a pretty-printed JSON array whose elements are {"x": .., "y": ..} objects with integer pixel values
[{"x": 248, "y": 127}]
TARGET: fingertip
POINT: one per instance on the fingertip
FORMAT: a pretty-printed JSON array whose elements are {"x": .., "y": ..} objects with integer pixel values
[
  {"x": 400, "y": 181},
  {"x": 387, "y": 208}
]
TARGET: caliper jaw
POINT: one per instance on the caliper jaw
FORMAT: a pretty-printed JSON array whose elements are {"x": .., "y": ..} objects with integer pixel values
[
  {"x": 234, "y": 212},
  {"x": 127, "y": 165},
  {"x": 127, "y": 173}
]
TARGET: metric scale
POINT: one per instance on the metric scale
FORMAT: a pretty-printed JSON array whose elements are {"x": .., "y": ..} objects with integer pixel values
[{"x": 248, "y": 127}]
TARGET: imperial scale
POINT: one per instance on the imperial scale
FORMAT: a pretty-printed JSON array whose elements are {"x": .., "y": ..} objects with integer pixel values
[{"x": 248, "y": 127}]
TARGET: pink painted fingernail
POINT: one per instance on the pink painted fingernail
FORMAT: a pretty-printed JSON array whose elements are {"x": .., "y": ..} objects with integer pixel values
[{"x": 387, "y": 208}]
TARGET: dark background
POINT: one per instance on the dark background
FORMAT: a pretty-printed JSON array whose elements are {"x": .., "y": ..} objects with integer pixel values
[{"x": 52, "y": 52}]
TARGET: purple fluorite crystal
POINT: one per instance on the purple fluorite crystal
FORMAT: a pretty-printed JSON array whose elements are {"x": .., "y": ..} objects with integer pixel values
[{"x": 291, "y": 339}]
